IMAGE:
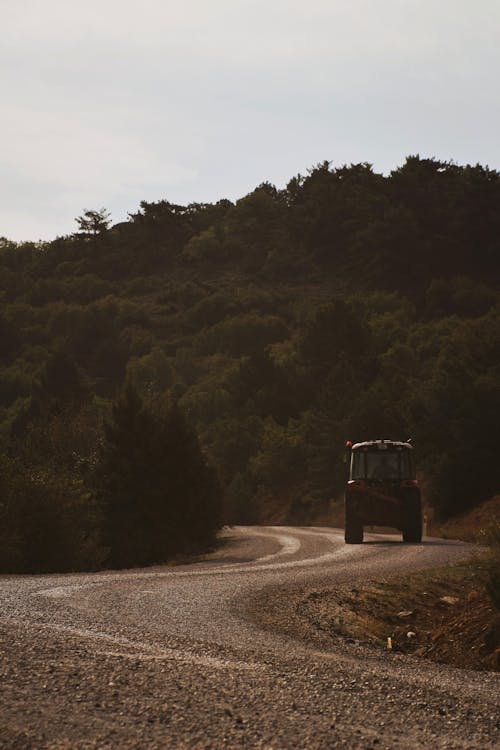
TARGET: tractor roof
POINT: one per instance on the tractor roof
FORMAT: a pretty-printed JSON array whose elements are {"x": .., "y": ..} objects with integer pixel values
[{"x": 382, "y": 445}]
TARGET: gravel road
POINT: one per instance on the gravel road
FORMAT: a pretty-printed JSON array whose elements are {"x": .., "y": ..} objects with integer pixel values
[{"x": 183, "y": 657}]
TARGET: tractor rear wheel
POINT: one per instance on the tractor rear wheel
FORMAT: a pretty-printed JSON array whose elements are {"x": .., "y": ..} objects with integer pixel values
[
  {"x": 353, "y": 533},
  {"x": 412, "y": 518}
]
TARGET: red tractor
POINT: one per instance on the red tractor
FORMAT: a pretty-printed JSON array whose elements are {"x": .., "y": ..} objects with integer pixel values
[{"x": 382, "y": 490}]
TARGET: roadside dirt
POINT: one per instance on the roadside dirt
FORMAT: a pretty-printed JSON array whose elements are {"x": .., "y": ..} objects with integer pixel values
[{"x": 442, "y": 614}]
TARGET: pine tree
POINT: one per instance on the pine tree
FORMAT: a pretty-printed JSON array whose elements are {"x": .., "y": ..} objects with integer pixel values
[
  {"x": 160, "y": 497},
  {"x": 93, "y": 222}
]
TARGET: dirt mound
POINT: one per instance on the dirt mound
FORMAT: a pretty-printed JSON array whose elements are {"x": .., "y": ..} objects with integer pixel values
[{"x": 470, "y": 526}]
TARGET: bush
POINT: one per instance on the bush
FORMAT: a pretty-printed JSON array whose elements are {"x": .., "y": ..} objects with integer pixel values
[{"x": 49, "y": 522}]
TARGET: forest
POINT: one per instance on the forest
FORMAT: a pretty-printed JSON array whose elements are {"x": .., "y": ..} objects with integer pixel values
[{"x": 212, "y": 360}]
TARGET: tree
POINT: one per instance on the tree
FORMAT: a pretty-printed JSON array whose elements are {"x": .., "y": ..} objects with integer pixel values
[
  {"x": 10, "y": 338},
  {"x": 159, "y": 496},
  {"x": 455, "y": 417},
  {"x": 93, "y": 222},
  {"x": 335, "y": 328}
]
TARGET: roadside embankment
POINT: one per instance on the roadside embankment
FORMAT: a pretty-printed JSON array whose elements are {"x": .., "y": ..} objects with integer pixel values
[
  {"x": 447, "y": 614},
  {"x": 443, "y": 614}
]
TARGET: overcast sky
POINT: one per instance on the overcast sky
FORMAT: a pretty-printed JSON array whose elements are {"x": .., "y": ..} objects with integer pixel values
[{"x": 110, "y": 102}]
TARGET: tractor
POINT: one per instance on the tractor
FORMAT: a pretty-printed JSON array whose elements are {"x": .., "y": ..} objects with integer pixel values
[{"x": 382, "y": 490}]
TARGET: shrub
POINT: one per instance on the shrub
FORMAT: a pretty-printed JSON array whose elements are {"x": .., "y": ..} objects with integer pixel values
[{"x": 49, "y": 522}]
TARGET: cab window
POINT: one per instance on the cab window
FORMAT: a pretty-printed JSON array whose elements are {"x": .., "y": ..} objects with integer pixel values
[{"x": 378, "y": 464}]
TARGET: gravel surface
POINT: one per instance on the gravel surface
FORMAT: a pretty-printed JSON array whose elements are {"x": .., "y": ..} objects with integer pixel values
[{"x": 215, "y": 654}]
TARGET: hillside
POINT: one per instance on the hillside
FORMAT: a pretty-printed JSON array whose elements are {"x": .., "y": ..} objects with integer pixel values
[{"x": 347, "y": 305}]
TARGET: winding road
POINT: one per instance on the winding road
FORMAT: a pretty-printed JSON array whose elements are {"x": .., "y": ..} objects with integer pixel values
[{"x": 191, "y": 657}]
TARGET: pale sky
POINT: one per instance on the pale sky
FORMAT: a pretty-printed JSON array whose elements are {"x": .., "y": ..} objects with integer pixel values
[{"x": 110, "y": 102}]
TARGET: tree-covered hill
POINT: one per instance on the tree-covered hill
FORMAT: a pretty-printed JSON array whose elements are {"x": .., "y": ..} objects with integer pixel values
[{"x": 348, "y": 305}]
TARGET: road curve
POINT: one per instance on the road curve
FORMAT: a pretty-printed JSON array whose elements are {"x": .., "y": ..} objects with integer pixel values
[{"x": 169, "y": 657}]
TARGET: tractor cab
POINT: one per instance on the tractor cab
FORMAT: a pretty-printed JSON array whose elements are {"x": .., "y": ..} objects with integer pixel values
[
  {"x": 381, "y": 460},
  {"x": 382, "y": 490}
]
